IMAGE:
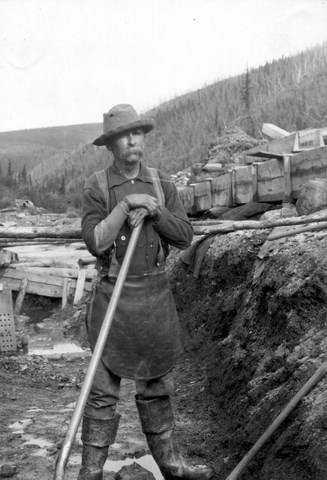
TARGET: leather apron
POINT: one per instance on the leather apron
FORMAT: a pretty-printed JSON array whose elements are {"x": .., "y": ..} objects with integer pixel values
[{"x": 144, "y": 340}]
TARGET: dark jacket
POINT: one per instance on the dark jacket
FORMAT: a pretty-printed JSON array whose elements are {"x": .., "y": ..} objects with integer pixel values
[{"x": 172, "y": 228}]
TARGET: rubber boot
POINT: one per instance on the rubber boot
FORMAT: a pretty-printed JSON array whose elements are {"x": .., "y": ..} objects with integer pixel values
[
  {"x": 97, "y": 435},
  {"x": 158, "y": 425}
]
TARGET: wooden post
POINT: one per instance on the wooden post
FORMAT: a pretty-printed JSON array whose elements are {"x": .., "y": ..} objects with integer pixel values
[
  {"x": 255, "y": 197},
  {"x": 21, "y": 296},
  {"x": 288, "y": 184},
  {"x": 80, "y": 285},
  {"x": 7, "y": 323},
  {"x": 64, "y": 292}
]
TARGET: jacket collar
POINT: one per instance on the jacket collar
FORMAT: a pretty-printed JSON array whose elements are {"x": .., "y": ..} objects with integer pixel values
[{"x": 115, "y": 177}]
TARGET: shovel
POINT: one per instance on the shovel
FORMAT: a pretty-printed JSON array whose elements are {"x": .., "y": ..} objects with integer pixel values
[{"x": 87, "y": 384}]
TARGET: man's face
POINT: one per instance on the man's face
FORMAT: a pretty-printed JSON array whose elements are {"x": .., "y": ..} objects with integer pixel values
[{"x": 128, "y": 147}]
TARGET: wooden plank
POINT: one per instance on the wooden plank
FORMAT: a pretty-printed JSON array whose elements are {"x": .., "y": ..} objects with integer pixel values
[
  {"x": 221, "y": 190},
  {"x": 243, "y": 192},
  {"x": 271, "y": 181},
  {"x": 280, "y": 145},
  {"x": 307, "y": 166},
  {"x": 37, "y": 277},
  {"x": 186, "y": 194},
  {"x": 273, "y": 131},
  {"x": 202, "y": 196},
  {"x": 56, "y": 271},
  {"x": 36, "y": 284}
]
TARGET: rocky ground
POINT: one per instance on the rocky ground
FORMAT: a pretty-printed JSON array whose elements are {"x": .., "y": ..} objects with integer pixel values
[{"x": 255, "y": 332}]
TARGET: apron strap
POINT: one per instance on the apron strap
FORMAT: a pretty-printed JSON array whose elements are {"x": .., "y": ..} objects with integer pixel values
[{"x": 157, "y": 185}]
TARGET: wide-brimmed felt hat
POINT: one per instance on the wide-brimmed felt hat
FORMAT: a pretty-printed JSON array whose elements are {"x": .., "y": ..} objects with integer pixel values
[{"x": 119, "y": 119}]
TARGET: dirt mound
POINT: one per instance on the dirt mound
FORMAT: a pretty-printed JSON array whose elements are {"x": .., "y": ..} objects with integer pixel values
[{"x": 227, "y": 148}]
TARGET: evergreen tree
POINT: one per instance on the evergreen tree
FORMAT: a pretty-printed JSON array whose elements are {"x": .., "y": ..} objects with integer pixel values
[
  {"x": 62, "y": 188},
  {"x": 246, "y": 99},
  {"x": 9, "y": 174},
  {"x": 23, "y": 174}
]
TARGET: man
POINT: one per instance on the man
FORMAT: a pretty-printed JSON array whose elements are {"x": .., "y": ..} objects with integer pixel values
[{"x": 144, "y": 339}]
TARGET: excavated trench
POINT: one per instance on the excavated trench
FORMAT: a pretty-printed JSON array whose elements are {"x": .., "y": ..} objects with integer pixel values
[{"x": 255, "y": 332}]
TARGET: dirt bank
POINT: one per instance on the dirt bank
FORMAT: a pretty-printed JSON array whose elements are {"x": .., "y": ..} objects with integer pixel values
[
  {"x": 256, "y": 343},
  {"x": 250, "y": 346}
]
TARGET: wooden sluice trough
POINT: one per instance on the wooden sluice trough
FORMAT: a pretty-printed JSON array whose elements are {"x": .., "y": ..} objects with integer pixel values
[
  {"x": 51, "y": 271},
  {"x": 273, "y": 172}
]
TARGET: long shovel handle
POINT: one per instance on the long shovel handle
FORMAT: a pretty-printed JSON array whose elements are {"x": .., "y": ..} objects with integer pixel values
[
  {"x": 316, "y": 377},
  {"x": 89, "y": 377}
]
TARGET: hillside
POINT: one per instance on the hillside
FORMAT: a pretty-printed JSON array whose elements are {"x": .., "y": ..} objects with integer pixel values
[{"x": 290, "y": 92}]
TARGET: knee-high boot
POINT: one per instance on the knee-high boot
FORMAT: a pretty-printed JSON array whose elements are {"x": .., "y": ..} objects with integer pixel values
[
  {"x": 157, "y": 422},
  {"x": 97, "y": 435}
]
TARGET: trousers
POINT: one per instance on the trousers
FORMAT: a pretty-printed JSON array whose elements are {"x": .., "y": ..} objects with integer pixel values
[{"x": 105, "y": 391}]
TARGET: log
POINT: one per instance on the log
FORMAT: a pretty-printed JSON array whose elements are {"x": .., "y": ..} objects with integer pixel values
[
  {"x": 86, "y": 261},
  {"x": 58, "y": 231},
  {"x": 7, "y": 243},
  {"x": 214, "y": 226},
  {"x": 295, "y": 231}
]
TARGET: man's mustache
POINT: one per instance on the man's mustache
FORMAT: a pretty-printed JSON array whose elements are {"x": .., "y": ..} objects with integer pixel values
[{"x": 134, "y": 150}]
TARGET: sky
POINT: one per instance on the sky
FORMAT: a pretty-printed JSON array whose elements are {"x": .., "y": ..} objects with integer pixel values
[{"x": 65, "y": 62}]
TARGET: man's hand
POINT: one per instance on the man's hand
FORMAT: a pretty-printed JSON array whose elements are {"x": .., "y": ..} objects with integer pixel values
[
  {"x": 136, "y": 216},
  {"x": 139, "y": 200}
]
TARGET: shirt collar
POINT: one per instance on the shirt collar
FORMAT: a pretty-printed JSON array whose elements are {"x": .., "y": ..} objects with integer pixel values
[{"x": 115, "y": 177}]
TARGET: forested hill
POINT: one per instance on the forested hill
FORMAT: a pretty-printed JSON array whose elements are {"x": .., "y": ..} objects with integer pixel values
[{"x": 49, "y": 165}]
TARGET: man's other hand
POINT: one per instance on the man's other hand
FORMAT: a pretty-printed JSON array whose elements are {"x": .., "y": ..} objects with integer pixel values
[
  {"x": 138, "y": 200},
  {"x": 136, "y": 216}
]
